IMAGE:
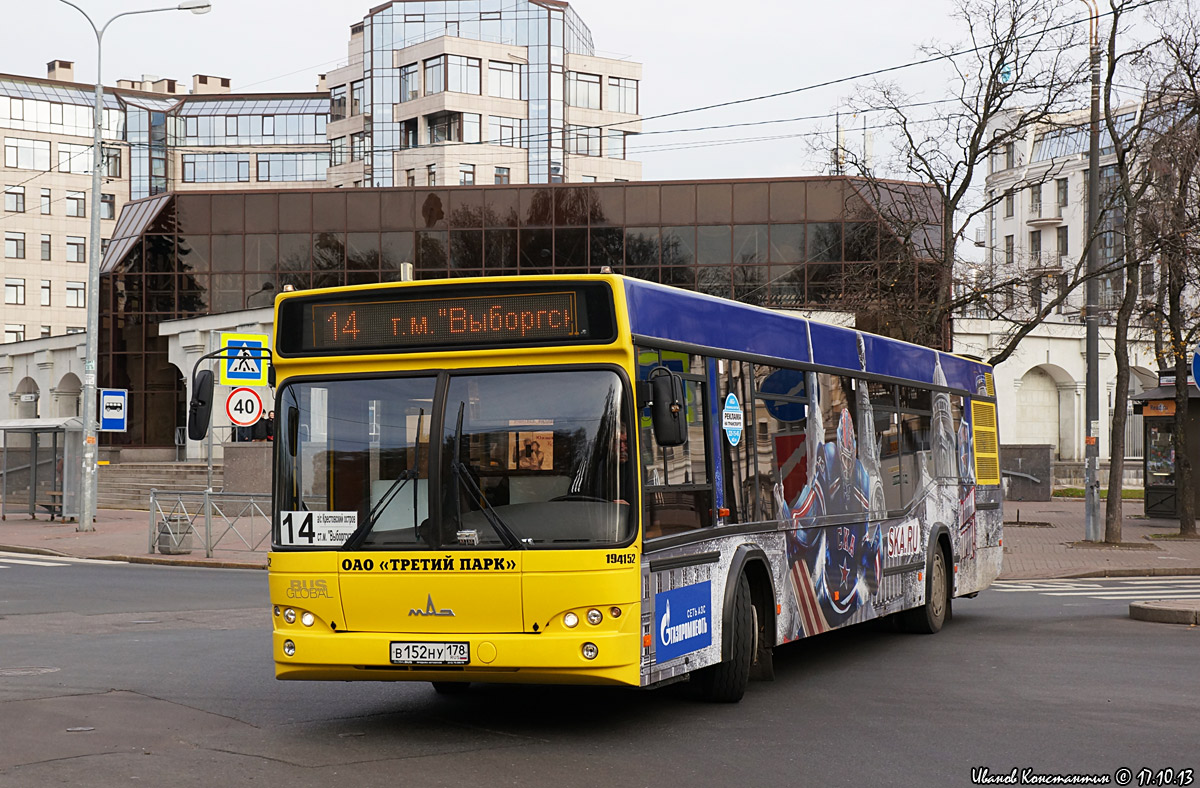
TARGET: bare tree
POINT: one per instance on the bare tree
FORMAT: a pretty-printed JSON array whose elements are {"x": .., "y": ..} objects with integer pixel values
[{"x": 1015, "y": 73}]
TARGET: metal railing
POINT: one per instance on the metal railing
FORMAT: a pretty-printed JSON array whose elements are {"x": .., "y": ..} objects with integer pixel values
[{"x": 229, "y": 521}]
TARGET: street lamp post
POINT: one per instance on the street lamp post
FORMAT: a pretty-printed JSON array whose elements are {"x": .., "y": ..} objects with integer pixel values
[
  {"x": 1091, "y": 451},
  {"x": 87, "y": 491}
]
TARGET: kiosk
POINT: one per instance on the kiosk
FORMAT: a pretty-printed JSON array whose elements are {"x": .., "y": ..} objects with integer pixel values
[{"x": 1158, "y": 417}]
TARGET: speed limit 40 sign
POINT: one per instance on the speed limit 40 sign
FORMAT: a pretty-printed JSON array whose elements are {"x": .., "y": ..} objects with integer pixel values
[{"x": 244, "y": 407}]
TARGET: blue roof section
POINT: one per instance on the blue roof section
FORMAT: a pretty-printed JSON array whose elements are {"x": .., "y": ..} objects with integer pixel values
[
  {"x": 676, "y": 315},
  {"x": 685, "y": 316}
]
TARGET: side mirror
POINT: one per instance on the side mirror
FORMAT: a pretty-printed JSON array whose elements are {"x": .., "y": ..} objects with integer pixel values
[
  {"x": 200, "y": 408},
  {"x": 668, "y": 407}
]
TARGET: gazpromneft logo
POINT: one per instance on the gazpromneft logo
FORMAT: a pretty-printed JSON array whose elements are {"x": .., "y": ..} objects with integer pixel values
[{"x": 683, "y": 620}]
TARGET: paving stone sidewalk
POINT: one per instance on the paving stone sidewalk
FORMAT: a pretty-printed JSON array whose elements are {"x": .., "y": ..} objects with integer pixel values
[{"x": 1041, "y": 540}]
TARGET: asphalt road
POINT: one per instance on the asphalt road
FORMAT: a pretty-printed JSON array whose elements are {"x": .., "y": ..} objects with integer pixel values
[{"x": 168, "y": 671}]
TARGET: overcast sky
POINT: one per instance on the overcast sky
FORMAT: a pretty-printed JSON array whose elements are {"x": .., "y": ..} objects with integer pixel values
[{"x": 694, "y": 53}]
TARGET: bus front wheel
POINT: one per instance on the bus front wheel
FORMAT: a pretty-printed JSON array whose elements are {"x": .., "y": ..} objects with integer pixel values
[
  {"x": 929, "y": 617},
  {"x": 726, "y": 681}
]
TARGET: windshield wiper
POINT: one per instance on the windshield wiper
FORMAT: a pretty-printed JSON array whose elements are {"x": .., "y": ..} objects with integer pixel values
[{"x": 463, "y": 474}]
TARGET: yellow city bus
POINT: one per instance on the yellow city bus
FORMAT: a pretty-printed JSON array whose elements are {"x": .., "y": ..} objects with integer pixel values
[{"x": 597, "y": 479}]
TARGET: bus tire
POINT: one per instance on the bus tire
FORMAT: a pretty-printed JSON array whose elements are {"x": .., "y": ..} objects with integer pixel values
[
  {"x": 929, "y": 617},
  {"x": 450, "y": 687},
  {"x": 726, "y": 681}
]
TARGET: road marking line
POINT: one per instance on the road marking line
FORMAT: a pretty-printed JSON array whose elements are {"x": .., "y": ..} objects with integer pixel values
[{"x": 30, "y": 563}]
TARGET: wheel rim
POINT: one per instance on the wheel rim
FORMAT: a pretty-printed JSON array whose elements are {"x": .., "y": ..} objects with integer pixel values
[{"x": 937, "y": 589}]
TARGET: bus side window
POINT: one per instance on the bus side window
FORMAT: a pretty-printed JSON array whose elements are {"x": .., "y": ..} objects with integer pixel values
[
  {"x": 781, "y": 448},
  {"x": 738, "y": 461},
  {"x": 677, "y": 494}
]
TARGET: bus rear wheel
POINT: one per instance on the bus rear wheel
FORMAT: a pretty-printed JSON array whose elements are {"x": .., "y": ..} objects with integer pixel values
[
  {"x": 929, "y": 617},
  {"x": 726, "y": 681}
]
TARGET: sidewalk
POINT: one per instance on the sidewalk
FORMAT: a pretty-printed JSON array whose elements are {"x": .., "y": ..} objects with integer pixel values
[{"x": 1041, "y": 540}]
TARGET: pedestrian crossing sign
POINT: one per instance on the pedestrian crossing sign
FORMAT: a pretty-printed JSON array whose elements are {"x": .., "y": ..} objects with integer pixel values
[{"x": 246, "y": 359}]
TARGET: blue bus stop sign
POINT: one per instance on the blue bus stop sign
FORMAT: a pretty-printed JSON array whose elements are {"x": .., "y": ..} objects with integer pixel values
[
  {"x": 785, "y": 382},
  {"x": 1196, "y": 368}
]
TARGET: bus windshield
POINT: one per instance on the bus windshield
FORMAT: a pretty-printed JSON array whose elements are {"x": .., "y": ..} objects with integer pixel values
[{"x": 524, "y": 460}]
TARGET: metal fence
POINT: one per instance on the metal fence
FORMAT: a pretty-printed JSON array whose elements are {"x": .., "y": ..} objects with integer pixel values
[{"x": 226, "y": 521}]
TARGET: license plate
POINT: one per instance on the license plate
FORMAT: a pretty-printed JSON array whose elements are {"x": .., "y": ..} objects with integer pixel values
[{"x": 425, "y": 653}]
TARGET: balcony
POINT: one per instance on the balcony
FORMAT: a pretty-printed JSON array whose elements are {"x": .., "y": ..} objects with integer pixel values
[
  {"x": 1044, "y": 215},
  {"x": 1045, "y": 263}
]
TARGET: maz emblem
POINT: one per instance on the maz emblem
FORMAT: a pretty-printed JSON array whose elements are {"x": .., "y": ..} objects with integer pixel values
[{"x": 430, "y": 610}]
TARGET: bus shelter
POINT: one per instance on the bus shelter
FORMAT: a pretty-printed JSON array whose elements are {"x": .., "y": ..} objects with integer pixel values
[
  {"x": 1157, "y": 407},
  {"x": 39, "y": 467}
]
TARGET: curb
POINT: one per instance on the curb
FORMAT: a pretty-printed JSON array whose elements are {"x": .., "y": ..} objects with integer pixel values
[
  {"x": 134, "y": 559},
  {"x": 1163, "y": 611}
]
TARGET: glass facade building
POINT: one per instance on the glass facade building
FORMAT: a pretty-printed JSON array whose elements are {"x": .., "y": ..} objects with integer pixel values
[
  {"x": 789, "y": 243},
  {"x": 548, "y": 29}
]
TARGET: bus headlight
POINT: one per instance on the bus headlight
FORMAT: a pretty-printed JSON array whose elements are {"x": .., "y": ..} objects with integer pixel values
[
  {"x": 594, "y": 616},
  {"x": 308, "y": 619},
  {"x": 277, "y": 611},
  {"x": 289, "y": 616},
  {"x": 590, "y": 651},
  {"x": 614, "y": 611},
  {"x": 571, "y": 620},
  {"x": 289, "y": 648}
]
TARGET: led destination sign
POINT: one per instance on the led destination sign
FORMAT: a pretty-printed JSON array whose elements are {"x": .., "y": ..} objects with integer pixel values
[{"x": 446, "y": 316}]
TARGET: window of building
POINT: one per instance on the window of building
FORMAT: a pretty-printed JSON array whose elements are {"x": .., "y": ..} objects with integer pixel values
[
  {"x": 1010, "y": 155},
  {"x": 108, "y": 202},
  {"x": 46, "y": 200},
  {"x": 26, "y": 154},
  {"x": 1063, "y": 245},
  {"x": 616, "y": 144},
  {"x": 75, "y": 249},
  {"x": 509, "y": 132},
  {"x": 357, "y": 92},
  {"x": 112, "y": 162},
  {"x": 410, "y": 177},
  {"x": 337, "y": 103},
  {"x": 14, "y": 245},
  {"x": 268, "y": 126},
  {"x": 466, "y": 175},
  {"x": 1008, "y": 250},
  {"x": 1035, "y": 199},
  {"x": 216, "y": 168},
  {"x": 1062, "y": 192},
  {"x": 410, "y": 82},
  {"x": 503, "y": 175},
  {"x": 583, "y": 90},
  {"x": 14, "y": 199},
  {"x": 231, "y": 125},
  {"x": 1010, "y": 203},
  {"x": 1035, "y": 246},
  {"x": 435, "y": 75},
  {"x": 14, "y": 332},
  {"x": 431, "y": 175},
  {"x": 506, "y": 80},
  {"x": 453, "y": 127},
  {"x": 622, "y": 95},
  {"x": 359, "y": 146},
  {"x": 462, "y": 74},
  {"x": 45, "y": 331},
  {"x": 74, "y": 158},
  {"x": 76, "y": 204},
  {"x": 45, "y": 247},
  {"x": 14, "y": 290},
  {"x": 337, "y": 151},
  {"x": 75, "y": 295},
  {"x": 75, "y": 329},
  {"x": 583, "y": 141},
  {"x": 45, "y": 292},
  {"x": 588, "y": 179},
  {"x": 292, "y": 167}
]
